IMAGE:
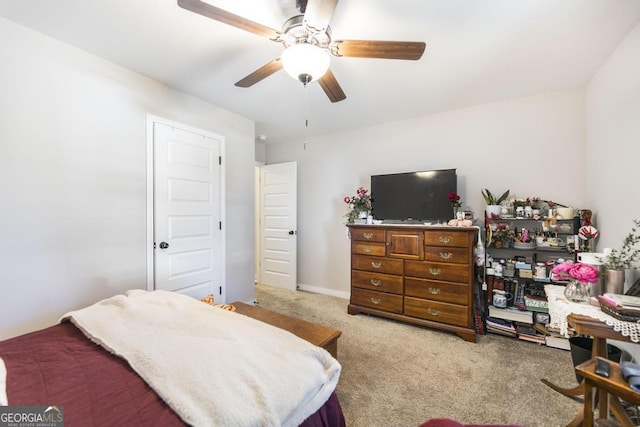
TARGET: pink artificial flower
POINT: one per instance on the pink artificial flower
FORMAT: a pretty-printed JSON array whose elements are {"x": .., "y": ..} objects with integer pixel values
[
  {"x": 347, "y": 199},
  {"x": 584, "y": 273},
  {"x": 562, "y": 270}
]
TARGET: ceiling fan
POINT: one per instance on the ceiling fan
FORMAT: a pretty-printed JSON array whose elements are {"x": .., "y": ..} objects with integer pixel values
[{"x": 308, "y": 43}]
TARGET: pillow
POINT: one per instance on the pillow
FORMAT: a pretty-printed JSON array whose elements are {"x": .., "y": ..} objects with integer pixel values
[{"x": 208, "y": 300}]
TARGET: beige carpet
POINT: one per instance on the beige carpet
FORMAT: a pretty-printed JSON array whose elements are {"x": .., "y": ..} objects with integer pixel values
[{"x": 394, "y": 374}]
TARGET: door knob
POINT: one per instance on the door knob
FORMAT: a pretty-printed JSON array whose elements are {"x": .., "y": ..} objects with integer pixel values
[
  {"x": 291, "y": 232},
  {"x": 164, "y": 245}
]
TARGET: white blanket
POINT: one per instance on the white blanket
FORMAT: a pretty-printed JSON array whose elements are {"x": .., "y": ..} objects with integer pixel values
[{"x": 213, "y": 367}]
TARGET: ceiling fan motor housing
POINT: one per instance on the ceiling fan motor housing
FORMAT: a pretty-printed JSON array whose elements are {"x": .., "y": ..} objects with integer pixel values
[{"x": 294, "y": 31}]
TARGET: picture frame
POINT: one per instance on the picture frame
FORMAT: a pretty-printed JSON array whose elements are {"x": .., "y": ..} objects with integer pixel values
[{"x": 542, "y": 318}]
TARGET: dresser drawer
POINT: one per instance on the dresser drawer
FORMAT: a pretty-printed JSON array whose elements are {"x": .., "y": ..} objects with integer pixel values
[
  {"x": 377, "y": 264},
  {"x": 376, "y": 281},
  {"x": 378, "y": 300},
  {"x": 367, "y": 248},
  {"x": 445, "y": 254},
  {"x": 451, "y": 314},
  {"x": 436, "y": 291},
  {"x": 453, "y": 238},
  {"x": 367, "y": 234},
  {"x": 437, "y": 271}
]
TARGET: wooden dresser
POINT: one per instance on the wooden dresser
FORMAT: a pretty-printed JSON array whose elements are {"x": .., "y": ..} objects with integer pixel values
[{"x": 416, "y": 274}]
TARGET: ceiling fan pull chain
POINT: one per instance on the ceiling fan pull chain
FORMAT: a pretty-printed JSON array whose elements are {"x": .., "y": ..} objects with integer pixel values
[{"x": 306, "y": 106}]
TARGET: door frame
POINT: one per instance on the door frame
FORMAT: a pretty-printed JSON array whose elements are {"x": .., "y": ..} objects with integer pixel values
[
  {"x": 257, "y": 229},
  {"x": 150, "y": 252}
]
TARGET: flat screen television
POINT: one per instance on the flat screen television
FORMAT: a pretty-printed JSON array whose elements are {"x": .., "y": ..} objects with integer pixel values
[{"x": 413, "y": 196}]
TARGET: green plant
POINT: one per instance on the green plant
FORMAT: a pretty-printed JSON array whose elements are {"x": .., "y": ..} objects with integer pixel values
[
  {"x": 490, "y": 199},
  {"x": 504, "y": 236},
  {"x": 630, "y": 252},
  {"x": 499, "y": 232}
]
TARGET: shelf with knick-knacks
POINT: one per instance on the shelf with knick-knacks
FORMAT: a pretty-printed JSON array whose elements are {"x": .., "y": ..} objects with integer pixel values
[
  {"x": 522, "y": 247},
  {"x": 545, "y": 234}
]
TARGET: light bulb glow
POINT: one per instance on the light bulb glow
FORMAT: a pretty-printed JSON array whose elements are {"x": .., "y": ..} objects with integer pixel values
[{"x": 305, "y": 62}]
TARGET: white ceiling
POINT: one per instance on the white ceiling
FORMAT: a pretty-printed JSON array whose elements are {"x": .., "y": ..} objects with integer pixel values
[{"x": 478, "y": 51}]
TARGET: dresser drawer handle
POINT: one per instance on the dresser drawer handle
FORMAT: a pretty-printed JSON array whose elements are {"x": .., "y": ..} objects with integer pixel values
[
  {"x": 434, "y": 291},
  {"x": 444, "y": 240},
  {"x": 435, "y": 271},
  {"x": 446, "y": 255},
  {"x": 376, "y": 282},
  {"x": 368, "y": 236},
  {"x": 376, "y": 301},
  {"x": 367, "y": 249},
  {"x": 433, "y": 311},
  {"x": 376, "y": 264}
]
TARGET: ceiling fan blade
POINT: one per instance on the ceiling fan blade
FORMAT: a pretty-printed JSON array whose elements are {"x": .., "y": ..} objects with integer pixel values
[
  {"x": 378, "y": 49},
  {"x": 318, "y": 13},
  {"x": 261, "y": 73},
  {"x": 220, "y": 15},
  {"x": 331, "y": 87}
]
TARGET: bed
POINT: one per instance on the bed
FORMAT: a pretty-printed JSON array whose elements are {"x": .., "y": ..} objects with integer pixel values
[{"x": 165, "y": 359}]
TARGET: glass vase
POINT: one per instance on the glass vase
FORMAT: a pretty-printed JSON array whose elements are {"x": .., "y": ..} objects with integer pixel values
[{"x": 577, "y": 292}]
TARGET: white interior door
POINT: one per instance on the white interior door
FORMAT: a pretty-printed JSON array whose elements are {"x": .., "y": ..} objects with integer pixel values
[
  {"x": 187, "y": 224},
  {"x": 278, "y": 225}
]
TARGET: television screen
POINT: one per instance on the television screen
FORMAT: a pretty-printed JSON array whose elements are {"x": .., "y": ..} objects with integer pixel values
[{"x": 413, "y": 196}]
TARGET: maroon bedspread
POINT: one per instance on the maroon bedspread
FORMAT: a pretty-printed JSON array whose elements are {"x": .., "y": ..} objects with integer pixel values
[{"x": 59, "y": 366}]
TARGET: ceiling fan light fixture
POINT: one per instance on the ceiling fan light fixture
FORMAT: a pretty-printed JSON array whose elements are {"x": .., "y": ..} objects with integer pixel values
[{"x": 305, "y": 62}]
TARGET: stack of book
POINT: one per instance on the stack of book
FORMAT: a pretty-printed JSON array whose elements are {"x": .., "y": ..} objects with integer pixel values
[
  {"x": 552, "y": 336},
  {"x": 512, "y": 322},
  {"x": 557, "y": 341},
  {"x": 508, "y": 321},
  {"x": 528, "y": 333},
  {"x": 511, "y": 313},
  {"x": 501, "y": 327}
]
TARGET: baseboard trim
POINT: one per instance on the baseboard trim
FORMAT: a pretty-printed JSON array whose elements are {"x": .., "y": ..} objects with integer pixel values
[{"x": 324, "y": 291}]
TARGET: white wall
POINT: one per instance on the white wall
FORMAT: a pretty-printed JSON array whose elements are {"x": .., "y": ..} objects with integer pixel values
[
  {"x": 72, "y": 179},
  {"x": 534, "y": 146},
  {"x": 613, "y": 147},
  {"x": 613, "y": 141}
]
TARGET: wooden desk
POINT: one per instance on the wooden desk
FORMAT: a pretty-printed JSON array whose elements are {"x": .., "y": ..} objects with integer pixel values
[
  {"x": 600, "y": 331},
  {"x": 610, "y": 389},
  {"x": 319, "y": 335}
]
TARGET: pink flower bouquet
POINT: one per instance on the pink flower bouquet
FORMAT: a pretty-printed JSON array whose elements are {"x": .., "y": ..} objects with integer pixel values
[
  {"x": 361, "y": 202},
  {"x": 583, "y": 273}
]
